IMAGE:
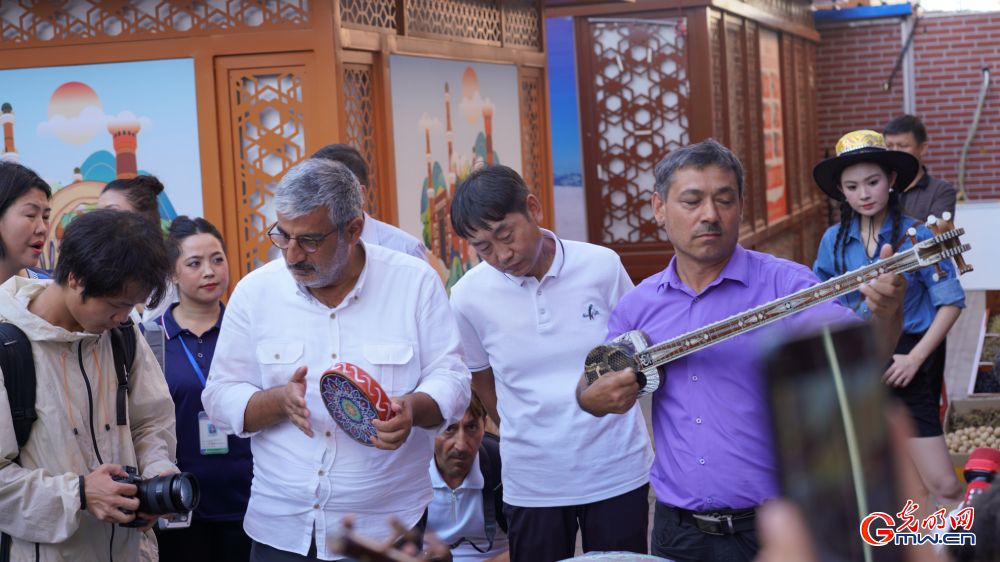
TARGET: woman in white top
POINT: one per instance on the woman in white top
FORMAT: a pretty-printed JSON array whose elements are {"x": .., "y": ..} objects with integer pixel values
[{"x": 24, "y": 220}]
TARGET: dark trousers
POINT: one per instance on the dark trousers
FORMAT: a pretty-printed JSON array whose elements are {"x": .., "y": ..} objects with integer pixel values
[
  {"x": 543, "y": 534},
  {"x": 678, "y": 538},
  {"x": 205, "y": 541}
]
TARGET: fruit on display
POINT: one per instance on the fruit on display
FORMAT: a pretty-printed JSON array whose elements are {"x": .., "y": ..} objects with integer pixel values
[{"x": 966, "y": 439}]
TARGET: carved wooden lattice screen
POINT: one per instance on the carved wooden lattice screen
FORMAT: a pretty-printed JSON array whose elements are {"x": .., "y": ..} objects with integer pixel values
[
  {"x": 25, "y": 23},
  {"x": 359, "y": 115},
  {"x": 533, "y": 130},
  {"x": 267, "y": 118},
  {"x": 640, "y": 112},
  {"x": 370, "y": 13},
  {"x": 478, "y": 21}
]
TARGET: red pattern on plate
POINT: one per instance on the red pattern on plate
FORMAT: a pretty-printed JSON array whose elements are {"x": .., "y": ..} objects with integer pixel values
[{"x": 368, "y": 385}]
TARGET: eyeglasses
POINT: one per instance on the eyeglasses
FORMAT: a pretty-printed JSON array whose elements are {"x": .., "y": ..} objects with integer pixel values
[{"x": 309, "y": 244}]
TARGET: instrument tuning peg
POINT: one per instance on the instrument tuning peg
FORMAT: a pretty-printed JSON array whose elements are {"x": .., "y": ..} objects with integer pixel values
[
  {"x": 939, "y": 273},
  {"x": 911, "y": 235},
  {"x": 946, "y": 216},
  {"x": 932, "y": 224}
]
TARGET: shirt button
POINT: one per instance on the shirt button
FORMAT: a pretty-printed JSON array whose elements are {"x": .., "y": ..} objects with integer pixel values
[
  {"x": 200, "y": 355},
  {"x": 694, "y": 378},
  {"x": 541, "y": 310},
  {"x": 539, "y": 293},
  {"x": 276, "y": 356},
  {"x": 333, "y": 356},
  {"x": 315, "y": 506},
  {"x": 328, "y": 434},
  {"x": 199, "y": 340},
  {"x": 697, "y": 421},
  {"x": 322, "y": 472},
  {"x": 333, "y": 315},
  {"x": 701, "y": 461}
]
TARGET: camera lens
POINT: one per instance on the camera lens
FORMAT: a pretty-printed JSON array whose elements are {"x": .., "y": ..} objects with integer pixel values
[{"x": 174, "y": 493}]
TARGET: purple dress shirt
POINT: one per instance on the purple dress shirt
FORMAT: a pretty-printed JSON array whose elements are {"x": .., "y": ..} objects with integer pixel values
[{"x": 711, "y": 423}]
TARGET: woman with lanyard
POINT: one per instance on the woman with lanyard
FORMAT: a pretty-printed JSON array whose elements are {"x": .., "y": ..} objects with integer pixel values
[
  {"x": 223, "y": 464},
  {"x": 861, "y": 177}
]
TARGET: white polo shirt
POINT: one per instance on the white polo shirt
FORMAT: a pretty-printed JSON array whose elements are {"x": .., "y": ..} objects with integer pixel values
[
  {"x": 388, "y": 236},
  {"x": 457, "y": 514},
  {"x": 536, "y": 335},
  {"x": 396, "y": 325}
]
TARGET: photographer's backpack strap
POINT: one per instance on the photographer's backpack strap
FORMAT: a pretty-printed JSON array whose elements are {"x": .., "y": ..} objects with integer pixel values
[
  {"x": 123, "y": 349},
  {"x": 156, "y": 338},
  {"x": 18, "y": 367}
]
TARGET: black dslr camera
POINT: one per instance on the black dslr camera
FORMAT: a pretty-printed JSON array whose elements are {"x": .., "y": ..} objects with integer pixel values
[{"x": 173, "y": 493}]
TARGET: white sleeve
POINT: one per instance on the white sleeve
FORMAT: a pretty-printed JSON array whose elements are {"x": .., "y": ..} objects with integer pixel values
[
  {"x": 235, "y": 374},
  {"x": 443, "y": 375},
  {"x": 476, "y": 357}
]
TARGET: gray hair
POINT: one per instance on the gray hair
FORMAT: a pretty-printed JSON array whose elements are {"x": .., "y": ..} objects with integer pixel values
[
  {"x": 318, "y": 183},
  {"x": 706, "y": 153}
]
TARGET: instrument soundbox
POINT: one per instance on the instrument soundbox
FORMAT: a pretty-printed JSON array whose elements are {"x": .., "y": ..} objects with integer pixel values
[
  {"x": 632, "y": 349},
  {"x": 354, "y": 399}
]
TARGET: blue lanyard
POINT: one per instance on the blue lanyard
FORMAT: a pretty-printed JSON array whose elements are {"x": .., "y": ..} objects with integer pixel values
[{"x": 194, "y": 364}]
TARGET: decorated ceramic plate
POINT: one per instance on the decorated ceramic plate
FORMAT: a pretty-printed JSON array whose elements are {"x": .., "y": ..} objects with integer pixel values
[{"x": 354, "y": 399}]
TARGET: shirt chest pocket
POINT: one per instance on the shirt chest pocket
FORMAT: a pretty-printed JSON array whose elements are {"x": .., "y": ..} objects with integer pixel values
[
  {"x": 278, "y": 360},
  {"x": 393, "y": 366}
]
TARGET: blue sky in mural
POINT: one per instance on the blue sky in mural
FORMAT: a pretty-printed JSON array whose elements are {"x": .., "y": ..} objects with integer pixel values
[
  {"x": 564, "y": 108},
  {"x": 62, "y": 115}
]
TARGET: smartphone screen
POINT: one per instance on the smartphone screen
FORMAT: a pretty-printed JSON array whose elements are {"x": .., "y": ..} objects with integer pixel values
[{"x": 835, "y": 461}]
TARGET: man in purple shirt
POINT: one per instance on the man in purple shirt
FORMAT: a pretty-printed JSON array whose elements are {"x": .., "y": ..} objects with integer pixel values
[{"x": 710, "y": 416}]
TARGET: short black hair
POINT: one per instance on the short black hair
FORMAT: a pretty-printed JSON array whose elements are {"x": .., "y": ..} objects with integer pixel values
[
  {"x": 487, "y": 195},
  {"x": 108, "y": 250},
  {"x": 142, "y": 192},
  {"x": 349, "y": 157},
  {"x": 184, "y": 227},
  {"x": 907, "y": 124},
  {"x": 15, "y": 181}
]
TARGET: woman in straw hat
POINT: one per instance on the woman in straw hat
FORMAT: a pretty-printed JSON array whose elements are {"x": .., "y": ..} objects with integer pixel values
[{"x": 863, "y": 177}]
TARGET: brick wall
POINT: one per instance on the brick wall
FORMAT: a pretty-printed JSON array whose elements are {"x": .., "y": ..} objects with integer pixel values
[{"x": 853, "y": 61}]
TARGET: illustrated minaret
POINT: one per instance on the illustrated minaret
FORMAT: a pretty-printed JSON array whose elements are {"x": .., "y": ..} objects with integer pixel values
[
  {"x": 488, "y": 126},
  {"x": 124, "y": 133},
  {"x": 448, "y": 131},
  {"x": 7, "y": 119}
]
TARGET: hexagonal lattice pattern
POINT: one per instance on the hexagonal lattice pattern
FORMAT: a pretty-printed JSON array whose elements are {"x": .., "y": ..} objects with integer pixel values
[
  {"x": 26, "y": 22},
  {"x": 522, "y": 24},
  {"x": 532, "y": 130},
  {"x": 268, "y": 115},
  {"x": 641, "y": 90},
  {"x": 463, "y": 19},
  {"x": 371, "y": 13},
  {"x": 360, "y": 112}
]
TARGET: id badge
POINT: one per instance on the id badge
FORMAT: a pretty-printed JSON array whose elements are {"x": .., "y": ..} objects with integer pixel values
[
  {"x": 211, "y": 440},
  {"x": 180, "y": 521}
]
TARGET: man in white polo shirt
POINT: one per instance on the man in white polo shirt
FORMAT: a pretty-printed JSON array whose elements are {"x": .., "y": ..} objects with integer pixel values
[
  {"x": 375, "y": 231},
  {"x": 333, "y": 298},
  {"x": 528, "y": 316}
]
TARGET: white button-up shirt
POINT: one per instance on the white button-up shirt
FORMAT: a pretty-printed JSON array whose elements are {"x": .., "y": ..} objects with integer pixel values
[
  {"x": 396, "y": 325},
  {"x": 458, "y": 514},
  {"x": 388, "y": 236}
]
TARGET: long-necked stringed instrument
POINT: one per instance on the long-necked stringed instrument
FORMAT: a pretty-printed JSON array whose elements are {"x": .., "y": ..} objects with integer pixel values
[{"x": 632, "y": 349}]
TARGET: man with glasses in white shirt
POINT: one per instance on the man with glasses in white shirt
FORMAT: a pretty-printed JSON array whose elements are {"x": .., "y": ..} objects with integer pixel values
[
  {"x": 333, "y": 298},
  {"x": 528, "y": 317}
]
